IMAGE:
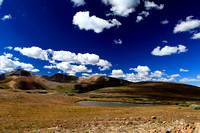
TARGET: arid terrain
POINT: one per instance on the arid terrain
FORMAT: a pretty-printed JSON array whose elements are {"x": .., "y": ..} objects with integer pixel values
[{"x": 31, "y": 103}]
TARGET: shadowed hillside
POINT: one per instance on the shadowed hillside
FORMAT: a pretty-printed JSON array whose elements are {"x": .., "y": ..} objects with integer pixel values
[
  {"x": 27, "y": 83},
  {"x": 62, "y": 78},
  {"x": 98, "y": 82},
  {"x": 157, "y": 90}
]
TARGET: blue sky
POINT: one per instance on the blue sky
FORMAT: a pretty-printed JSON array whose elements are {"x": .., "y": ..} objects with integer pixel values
[{"x": 136, "y": 40}]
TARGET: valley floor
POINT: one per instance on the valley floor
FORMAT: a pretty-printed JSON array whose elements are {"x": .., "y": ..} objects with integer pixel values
[{"x": 21, "y": 111}]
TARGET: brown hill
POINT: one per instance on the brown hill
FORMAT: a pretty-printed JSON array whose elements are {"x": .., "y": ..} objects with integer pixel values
[
  {"x": 20, "y": 79},
  {"x": 105, "y": 81},
  {"x": 28, "y": 83},
  {"x": 97, "y": 82},
  {"x": 62, "y": 78},
  {"x": 25, "y": 80},
  {"x": 18, "y": 72},
  {"x": 158, "y": 90}
]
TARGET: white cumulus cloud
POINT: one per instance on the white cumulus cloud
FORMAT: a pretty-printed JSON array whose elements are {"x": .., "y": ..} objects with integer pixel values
[
  {"x": 151, "y": 5},
  {"x": 71, "y": 69},
  {"x": 64, "y": 56},
  {"x": 122, "y": 7},
  {"x": 7, "y": 64},
  {"x": 188, "y": 80},
  {"x": 141, "y": 16},
  {"x": 142, "y": 74},
  {"x": 78, "y": 2},
  {"x": 1, "y": 2},
  {"x": 33, "y": 52},
  {"x": 104, "y": 65},
  {"x": 141, "y": 69},
  {"x": 91, "y": 75},
  {"x": 117, "y": 73},
  {"x": 183, "y": 70},
  {"x": 156, "y": 74},
  {"x": 117, "y": 41},
  {"x": 164, "y": 22},
  {"x": 84, "y": 21},
  {"x": 6, "y": 17},
  {"x": 196, "y": 36},
  {"x": 168, "y": 50},
  {"x": 9, "y": 48},
  {"x": 165, "y": 41},
  {"x": 139, "y": 19},
  {"x": 187, "y": 25}
]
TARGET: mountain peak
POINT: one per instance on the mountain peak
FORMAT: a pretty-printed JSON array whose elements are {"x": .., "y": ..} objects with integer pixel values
[{"x": 19, "y": 72}]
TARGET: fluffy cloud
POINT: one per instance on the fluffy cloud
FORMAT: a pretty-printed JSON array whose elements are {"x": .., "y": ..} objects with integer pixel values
[
  {"x": 72, "y": 69},
  {"x": 80, "y": 68},
  {"x": 1, "y": 2},
  {"x": 144, "y": 13},
  {"x": 141, "y": 69},
  {"x": 9, "y": 48},
  {"x": 34, "y": 52},
  {"x": 156, "y": 74},
  {"x": 144, "y": 74},
  {"x": 91, "y": 75},
  {"x": 78, "y": 2},
  {"x": 8, "y": 55},
  {"x": 117, "y": 41},
  {"x": 67, "y": 56},
  {"x": 183, "y": 70},
  {"x": 85, "y": 59},
  {"x": 104, "y": 65},
  {"x": 117, "y": 73},
  {"x": 196, "y": 36},
  {"x": 50, "y": 66},
  {"x": 65, "y": 60},
  {"x": 141, "y": 16},
  {"x": 137, "y": 77},
  {"x": 89, "y": 59},
  {"x": 64, "y": 56},
  {"x": 164, "y": 41},
  {"x": 151, "y": 5},
  {"x": 187, "y": 25},
  {"x": 84, "y": 21},
  {"x": 122, "y": 7},
  {"x": 7, "y": 64},
  {"x": 64, "y": 66},
  {"x": 188, "y": 80},
  {"x": 6, "y": 17},
  {"x": 168, "y": 50},
  {"x": 164, "y": 22}
]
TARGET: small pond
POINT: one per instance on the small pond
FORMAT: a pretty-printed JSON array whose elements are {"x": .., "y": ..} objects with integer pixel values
[{"x": 114, "y": 104}]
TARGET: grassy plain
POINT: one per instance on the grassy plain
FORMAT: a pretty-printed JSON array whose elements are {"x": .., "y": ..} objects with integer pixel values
[{"x": 21, "y": 111}]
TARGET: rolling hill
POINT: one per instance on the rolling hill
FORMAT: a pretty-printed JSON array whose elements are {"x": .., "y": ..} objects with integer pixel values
[{"x": 99, "y": 85}]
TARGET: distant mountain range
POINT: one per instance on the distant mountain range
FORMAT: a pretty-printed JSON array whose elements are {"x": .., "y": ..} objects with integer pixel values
[
  {"x": 24, "y": 80},
  {"x": 19, "y": 79}
]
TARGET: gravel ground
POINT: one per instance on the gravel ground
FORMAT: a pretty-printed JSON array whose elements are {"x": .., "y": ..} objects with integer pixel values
[{"x": 128, "y": 126}]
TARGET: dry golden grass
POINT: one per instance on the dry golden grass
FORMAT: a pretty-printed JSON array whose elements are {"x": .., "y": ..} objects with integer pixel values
[{"x": 20, "y": 111}]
